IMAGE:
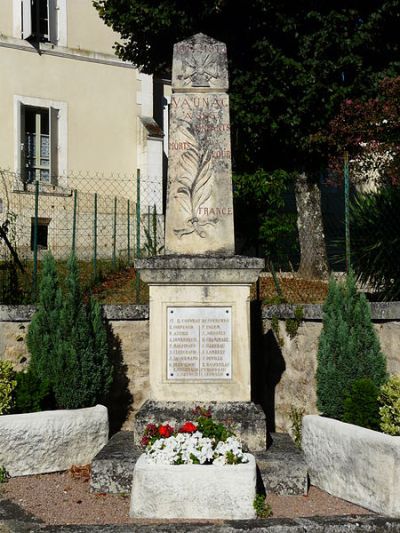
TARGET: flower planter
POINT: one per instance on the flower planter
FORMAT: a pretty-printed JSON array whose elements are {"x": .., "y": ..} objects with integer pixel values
[
  {"x": 353, "y": 463},
  {"x": 50, "y": 441},
  {"x": 193, "y": 491}
]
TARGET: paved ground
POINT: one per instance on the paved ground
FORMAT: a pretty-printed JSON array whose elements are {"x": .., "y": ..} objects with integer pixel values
[{"x": 14, "y": 520}]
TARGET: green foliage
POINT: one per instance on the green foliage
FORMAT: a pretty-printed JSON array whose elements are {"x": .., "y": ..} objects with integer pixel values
[
  {"x": 348, "y": 347},
  {"x": 263, "y": 510},
  {"x": 32, "y": 393},
  {"x": 212, "y": 429},
  {"x": 293, "y": 324},
  {"x": 3, "y": 475},
  {"x": 389, "y": 411},
  {"x": 68, "y": 343},
  {"x": 361, "y": 404},
  {"x": 375, "y": 240},
  {"x": 151, "y": 246},
  {"x": 41, "y": 339},
  {"x": 275, "y": 328},
  {"x": 260, "y": 204},
  {"x": 296, "y": 418},
  {"x": 7, "y": 385},
  {"x": 83, "y": 369},
  {"x": 290, "y": 69}
]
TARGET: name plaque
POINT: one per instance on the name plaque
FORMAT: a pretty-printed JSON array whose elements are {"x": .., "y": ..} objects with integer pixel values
[{"x": 199, "y": 343}]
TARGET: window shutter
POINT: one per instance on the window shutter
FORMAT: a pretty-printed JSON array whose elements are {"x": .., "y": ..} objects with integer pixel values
[
  {"x": 22, "y": 143},
  {"x": 26, "y": 13},
  {"x": 54, "y": 145},
  {"x": 52, "y": 18}
]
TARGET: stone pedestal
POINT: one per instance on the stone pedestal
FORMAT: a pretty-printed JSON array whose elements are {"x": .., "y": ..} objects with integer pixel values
[
  {"x": 199, "y": 326},
  {"x": 246, "y": 419}
]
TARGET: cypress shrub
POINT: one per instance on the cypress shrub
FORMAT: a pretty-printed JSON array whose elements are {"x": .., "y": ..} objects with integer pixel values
[
  {"x": 32, "y": 393},
  {"x": 43, "y": 330},
  {"x": 361, "y": 405},
  {"x": 83, "y": 367},
  {"x": 348, "y": 347}
]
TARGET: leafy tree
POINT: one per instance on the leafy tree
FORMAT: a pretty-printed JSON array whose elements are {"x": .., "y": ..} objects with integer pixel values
[
  {"x": 260, "y": 203},
  {"x": 348, "y": 347},
  {"x": 291, "y": 65},
  {"x": 370, "y": 132}
]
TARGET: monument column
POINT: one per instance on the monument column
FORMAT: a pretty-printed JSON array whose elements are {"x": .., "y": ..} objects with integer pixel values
[{"x": 200, "y": 291}]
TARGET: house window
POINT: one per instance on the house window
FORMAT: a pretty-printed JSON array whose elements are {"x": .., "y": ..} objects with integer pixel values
[
  {"x": 39, "y": 20},
  {"x": 39, "y": 144},
  {"x": 42, "y": 233}
]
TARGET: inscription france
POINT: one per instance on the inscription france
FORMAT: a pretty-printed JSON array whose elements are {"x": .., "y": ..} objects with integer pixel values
[{"x": 199, "y": 343}]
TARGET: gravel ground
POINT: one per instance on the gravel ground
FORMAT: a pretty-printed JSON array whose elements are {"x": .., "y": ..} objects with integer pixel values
[{"x": 63, "y": 499}]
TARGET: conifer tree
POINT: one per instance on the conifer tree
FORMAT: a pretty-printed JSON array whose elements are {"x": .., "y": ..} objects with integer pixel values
[
  {"x": 348, "y": 348},
  {"x": 84, "y": 371},
  {"x": 42, "y": 332}
]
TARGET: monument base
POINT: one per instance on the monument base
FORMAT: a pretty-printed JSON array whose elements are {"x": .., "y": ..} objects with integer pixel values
[
  {"x": 246, "y": 418},
  {"x": 199, "y": 326}
]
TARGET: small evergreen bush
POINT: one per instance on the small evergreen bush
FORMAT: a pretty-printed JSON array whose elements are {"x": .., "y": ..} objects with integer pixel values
[
  {"x": 7, "y": 385},
  {"x": 348, "y": 347},
  {"x": 390, "y": 410},
  {"x": 68, "y": 343},
  {"x": 42, "y": 333},
  {"x": 32, "y": 394},
  {"x": 361, "y": 405},
  {"x": 83, "y": 373}
]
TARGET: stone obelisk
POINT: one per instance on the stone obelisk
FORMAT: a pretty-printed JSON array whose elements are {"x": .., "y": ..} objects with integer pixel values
[
  {"x": 199, "y": 290},
  {"x": 199, "y": 215}
]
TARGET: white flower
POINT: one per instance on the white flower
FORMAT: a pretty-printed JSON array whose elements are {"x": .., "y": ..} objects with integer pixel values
[{"x": 193, "y": 448}]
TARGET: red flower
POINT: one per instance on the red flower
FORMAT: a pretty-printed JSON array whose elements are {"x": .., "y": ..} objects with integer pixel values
[
  {"x": 188, "y": 427},
  {"x": 145, "y": 440},
  {"x": 165, "y": 431},
  {"x": 151, "y": 429}
]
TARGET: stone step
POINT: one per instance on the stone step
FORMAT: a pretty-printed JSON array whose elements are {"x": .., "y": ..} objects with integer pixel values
[{"x": 282, "y": 469}]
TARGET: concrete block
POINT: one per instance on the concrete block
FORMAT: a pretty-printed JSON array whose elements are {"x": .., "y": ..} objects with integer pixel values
[
  {"x": 353, "y": 463},
  {"x": 50, "y": 441},
  {"x": 193, "y": 491}
]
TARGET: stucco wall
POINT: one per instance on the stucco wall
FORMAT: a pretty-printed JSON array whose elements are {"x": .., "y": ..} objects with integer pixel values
[
  {"x": 283, "y": 376},
  {"x": 101, "y": 108}
]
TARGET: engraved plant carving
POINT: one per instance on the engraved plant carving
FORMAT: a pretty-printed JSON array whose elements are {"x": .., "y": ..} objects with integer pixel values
[
  {"x": 195, "y": 184},
  {"x": 200, "y": 67}
]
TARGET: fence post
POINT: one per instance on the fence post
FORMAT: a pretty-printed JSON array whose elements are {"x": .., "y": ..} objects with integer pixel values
[
  {"x": 347, "y": 210},
  {"x": 137, "y": 278},
  {"x": 129, "y": 232},
  {"x": 35, "y": 240},
  {"x": 114, "y": 237},
  {"x": 95, "y": 238},
  {"x": 74, "y": 222},
  {"x": 138, "y": 214}
]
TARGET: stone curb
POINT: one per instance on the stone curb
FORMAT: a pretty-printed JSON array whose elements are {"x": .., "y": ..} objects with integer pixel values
[
  {"x": 379, "y": 311},
  {"x": 336, "y": 524}
]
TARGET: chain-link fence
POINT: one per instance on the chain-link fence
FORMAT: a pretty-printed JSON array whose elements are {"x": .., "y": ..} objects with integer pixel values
[
  {"x": 322, "y": 227},
  {"x": 105, "y": 220}
]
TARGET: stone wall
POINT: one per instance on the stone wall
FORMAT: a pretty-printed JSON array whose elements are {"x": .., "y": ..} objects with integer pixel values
[
  {"x": 283, "y": 376},
  {"x": 293, "y": 363}
]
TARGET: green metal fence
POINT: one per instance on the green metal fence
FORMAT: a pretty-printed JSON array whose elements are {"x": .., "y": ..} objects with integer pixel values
[{"x": 102, "y": 219}]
